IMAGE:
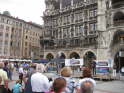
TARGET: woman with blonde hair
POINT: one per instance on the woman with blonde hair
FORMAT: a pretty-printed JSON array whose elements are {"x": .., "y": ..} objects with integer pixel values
[
  {"x": 66, "y": 73},
  {"x": 40, "y": 68}
]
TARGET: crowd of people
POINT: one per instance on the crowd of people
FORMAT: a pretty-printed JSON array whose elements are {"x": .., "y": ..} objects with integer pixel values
[{"x": 33, "y": 80}]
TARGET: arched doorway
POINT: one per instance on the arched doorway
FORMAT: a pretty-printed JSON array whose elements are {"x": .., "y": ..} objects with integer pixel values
[
  {"x": 62, "y": 56},
  {"x": 88, "y": 58},
  {"x": 117, "y": 46},
  {"x": 118, "y": 19},
  {"x": 49, "y": 56},
  {"x": 74, "y": 55},
  {"x": 118, "y": 61}
]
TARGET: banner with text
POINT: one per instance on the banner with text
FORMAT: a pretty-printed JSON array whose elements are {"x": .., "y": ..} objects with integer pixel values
[{"x": 74, "y": 62}]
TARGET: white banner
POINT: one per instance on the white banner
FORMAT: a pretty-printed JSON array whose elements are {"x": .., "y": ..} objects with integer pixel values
[
  {"x": 74, "y": 62},
  {"x": 121, "y": 54}
]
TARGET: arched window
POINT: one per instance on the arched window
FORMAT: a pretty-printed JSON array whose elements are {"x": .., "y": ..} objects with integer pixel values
[
  {"x": 49, "y": 56},
  {"x": 88, "y": 58},
  {"x": 74, "y": 55},
  {"x": 118, "y": 19}
]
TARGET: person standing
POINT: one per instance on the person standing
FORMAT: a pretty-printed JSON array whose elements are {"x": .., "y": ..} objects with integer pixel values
[
  {"x": 17, "y": 87},
  {"x": 66, "y": 73},
  {"x": 59, "y": 85},
  {"x": 4, "y": 79},
  {"x": 28, "y": 87},
  {"x": 114, "y": 70},
  {"x": 94, "y": 67},
  {"x": 87, "y": 84},
  {"x": 5, "y": 68},
  {"x": 11, "y": 68},
  {"x": 39, "y": 82}
]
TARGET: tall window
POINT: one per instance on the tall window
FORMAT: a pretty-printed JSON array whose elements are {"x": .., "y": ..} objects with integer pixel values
[
  {"x": 7, "y": 35},
  {"x": 76, "y": 17},
  {"x": 1, "y": 34},
  {"x": 76, "y": 30},
  {"x": 7, "y": 28},
  {"x": 8, "y": 22},
  {"x": 95, "y": 12},
  {"x": 91, "y": 13},
  {"x": 1, "y": 42},
  {"x": 2, "y": 20},
  {"x": 68, "y": 19},
  {"x": 1, "y": 26},
  {"x": 93, "y": 26},
  {"x": 6, "y": 42},
  {"x": 81, "y": 30}
]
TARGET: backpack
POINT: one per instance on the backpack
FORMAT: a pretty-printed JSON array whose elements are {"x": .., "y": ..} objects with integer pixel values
[{"x": 70, "y": 86}]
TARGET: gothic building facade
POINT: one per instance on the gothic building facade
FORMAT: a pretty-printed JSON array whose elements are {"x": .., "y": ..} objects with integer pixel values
[{"x": 89, "y": 29}]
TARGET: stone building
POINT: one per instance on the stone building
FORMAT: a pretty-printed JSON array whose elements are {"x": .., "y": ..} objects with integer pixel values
[
  {"x": 89, "y": 29},
  {"x": 15, "y": 36},
  {"x": 31, "y": 41}
]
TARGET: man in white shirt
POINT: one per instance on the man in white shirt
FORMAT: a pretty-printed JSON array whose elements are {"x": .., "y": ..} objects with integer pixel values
[
  {"x": 21, "y": 71},
  {"x": 39, "y": 82}
]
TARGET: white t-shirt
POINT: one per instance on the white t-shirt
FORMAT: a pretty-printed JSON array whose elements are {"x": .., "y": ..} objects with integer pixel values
[
  {"x": 39, "y": 83},
  {"x": 21, "y": 70},
  {"x": 122, "y": 69}
]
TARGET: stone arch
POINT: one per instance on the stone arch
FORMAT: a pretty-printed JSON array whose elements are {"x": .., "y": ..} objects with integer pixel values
[
  {"x": 118, "y": 61},
  {"x": 116, "y": 36},
  {"x": 88, "y": 51},
  {"x": 88, "y": 57},
  {"x": 118, "y": 18},
  {"x": 49, "y": 56},
  {"x": 74, "y": 55},
  {"x": 61, "y": 55},
  {"x": 117, "y": 39}
]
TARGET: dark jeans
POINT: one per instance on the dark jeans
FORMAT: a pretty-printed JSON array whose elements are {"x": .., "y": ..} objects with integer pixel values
[
  {"x": 94, "y": 71},
  {"x": 10, "y": 75}
]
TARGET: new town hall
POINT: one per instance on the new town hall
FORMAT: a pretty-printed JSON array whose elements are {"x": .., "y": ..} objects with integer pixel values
[{"x": 89, "y": 29}]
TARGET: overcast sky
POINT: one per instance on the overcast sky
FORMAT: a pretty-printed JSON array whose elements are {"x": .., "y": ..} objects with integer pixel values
[{"x": 29, "y": 10}]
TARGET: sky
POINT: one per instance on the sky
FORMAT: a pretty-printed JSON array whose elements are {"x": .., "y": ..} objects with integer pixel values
[{"x": 28, "y": 10}]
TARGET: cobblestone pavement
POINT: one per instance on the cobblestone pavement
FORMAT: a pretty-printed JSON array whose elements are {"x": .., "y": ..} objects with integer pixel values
[
  {"x": 110, "y": 87},
  {"x": 102, "y": 86}
]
